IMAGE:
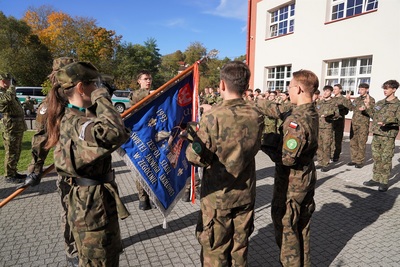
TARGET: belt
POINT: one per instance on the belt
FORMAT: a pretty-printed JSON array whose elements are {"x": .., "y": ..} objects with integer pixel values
[{"x": 88, "y": 181}]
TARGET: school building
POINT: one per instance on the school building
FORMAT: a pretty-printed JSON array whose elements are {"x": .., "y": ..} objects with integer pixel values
[{"x": 342, "y": 41}]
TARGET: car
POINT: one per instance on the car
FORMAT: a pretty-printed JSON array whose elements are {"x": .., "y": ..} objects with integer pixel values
[{"x": 120, "y": 100}]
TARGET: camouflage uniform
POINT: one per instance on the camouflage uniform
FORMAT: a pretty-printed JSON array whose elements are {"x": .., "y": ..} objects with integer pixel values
[
  {"x": 210, "y": 99},
  {"x": 359, "y": 130},
  {"x": 344, "y": 105},
  {"x": 327, "y": 112},
  {"x": 383, "y": 141},
  {"x": 13, "y": 131},
  {"x": 230, "y": 133},
  {"x": 83, "y": 153},
  {"x": 39, "y": 155},
  {"x": 294, "y": 183},
  {"x": 29, "y": 105},
  {"x": 134, "y": 98}
]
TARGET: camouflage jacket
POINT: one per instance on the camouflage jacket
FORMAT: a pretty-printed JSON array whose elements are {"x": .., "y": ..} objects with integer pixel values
[
  {"x": 13, "y": 113},
  {"x": 343, "y": 104},
  {"x": 388, "y": 113},
  {"x": 360, "y": 118},
  {"x": 137, "y": 95},
  {"x": 327, "y": 112},
  {"x": 231, "y": 131},
  {"x": 299, "y": 136},
  {"x": 39, "y": 139},
  {"x": 210, "y": 99},
  {"x": 87, "y": 140}
]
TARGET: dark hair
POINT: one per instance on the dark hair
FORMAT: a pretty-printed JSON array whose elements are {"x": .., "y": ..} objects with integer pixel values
[
  {"x": 308, "y": 79},
  {"x": 317, "y": 92},
  {"x": 328, "y": 87},
  {"x": 391, "y": 83},
  {"x": 236, "y": 75},
  {"x": 143, "y": 72},
  {"x": 363, "y": 85},
  {"x": 56, "y": 101},
  {"x": 257, "y": 90},
  {"x": 339, "y": 86}
]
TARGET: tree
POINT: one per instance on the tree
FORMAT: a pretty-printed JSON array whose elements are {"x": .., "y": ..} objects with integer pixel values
[
  {"x": 130, "y": 59},
  {"x": 21, "y": 52},
  {"x": 194, "y": 52},
  {"x": 170, "y": 65},
  {"x": 77, "y": 37}
]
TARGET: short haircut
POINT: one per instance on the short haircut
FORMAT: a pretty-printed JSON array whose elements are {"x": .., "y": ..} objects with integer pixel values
[
  {"x": 317, "y": 92},
  {"x": 391, "y": 84},
  {"x": 236, "y": 75},
  {"x": 308, "y": 79},
  {"x": 328, "y": 87},
  {"x": 338, "y": 85},
  {"x": 143, "y": 72},
  {"x": 363, "y": 85},
  {"x": 257, "y": 90}
]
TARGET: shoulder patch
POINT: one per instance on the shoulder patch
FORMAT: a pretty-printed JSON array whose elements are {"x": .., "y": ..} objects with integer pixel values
[
  {"x": 82, "y": 133},
  {"x": 291, "y": 143},
  {"x": 293, "y": 125}
]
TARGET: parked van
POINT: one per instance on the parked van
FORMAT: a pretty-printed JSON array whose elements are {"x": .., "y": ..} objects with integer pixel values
[
  {"x": 120, "y": 100},
  {"x": 35, "y": 93}
]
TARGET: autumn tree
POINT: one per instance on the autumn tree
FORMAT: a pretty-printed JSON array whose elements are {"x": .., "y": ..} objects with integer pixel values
[
  {"x": 77, "y": 37},
  {"x": 22, "y": 53}
]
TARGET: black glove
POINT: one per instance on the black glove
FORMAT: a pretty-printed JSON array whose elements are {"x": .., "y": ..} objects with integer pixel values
[
  {"x": 110, "y": 88},
  {"x": 31, "y": 180}
]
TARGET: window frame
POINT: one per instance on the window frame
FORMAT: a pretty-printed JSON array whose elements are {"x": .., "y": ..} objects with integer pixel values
[
  {"x": 281, "y": 20},
  {"x": 342, "y": 9},
  {"x": 272, "y": 82},
  {"x": 348, "y": 74}
]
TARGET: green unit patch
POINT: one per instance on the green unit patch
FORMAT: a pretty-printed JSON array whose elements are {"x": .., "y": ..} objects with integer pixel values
[{"x": 291, "y": 143}]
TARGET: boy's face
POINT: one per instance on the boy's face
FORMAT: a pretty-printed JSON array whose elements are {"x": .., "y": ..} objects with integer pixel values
[
  {"x": 145, "y": 81},
  {"x": 388, "y": 91},
  {"x": 327, "y": 93},
  {"x": 336, "y": 90},
  {"x": 362, "y": 91},
  {"x": 271, "y": 96}
]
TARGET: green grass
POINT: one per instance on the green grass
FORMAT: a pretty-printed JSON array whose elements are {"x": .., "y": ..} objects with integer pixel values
[{"x": 26, "y": 155}]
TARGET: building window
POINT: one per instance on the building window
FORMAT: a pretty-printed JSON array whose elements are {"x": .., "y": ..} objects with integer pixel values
[
  {"x": 349, "y": 72},
  {"x": 348, "y": 8},
  {"x": 282, "y": 21},
  {"x": 278, "y": 78}
]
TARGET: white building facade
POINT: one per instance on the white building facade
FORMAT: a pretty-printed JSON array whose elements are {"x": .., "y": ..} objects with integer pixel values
[{"x": 342, "y": 41}]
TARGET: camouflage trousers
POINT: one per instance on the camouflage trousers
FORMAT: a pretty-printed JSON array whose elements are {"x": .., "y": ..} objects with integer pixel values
[
  {"x": 63, "y": 188},
  {"x": 325, "y": 136},
  {"x": 93, "y": 217},
  {"x": 292, "y": 207},
  {"x": 358, "y": 141},
  {"x": 337, "y": 139},
  {"x": 12, "y": 147},
  {"x": 224, "y": 235},
  {"x": 142, "y": 194},
  {"x": 382, "y": 153}
]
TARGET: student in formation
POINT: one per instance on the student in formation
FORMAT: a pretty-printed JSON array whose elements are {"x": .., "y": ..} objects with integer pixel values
[
  {"x": 385, "y": 116},
  {"x": 227, "y": 141},
  {"x": 295, "y": 176}
]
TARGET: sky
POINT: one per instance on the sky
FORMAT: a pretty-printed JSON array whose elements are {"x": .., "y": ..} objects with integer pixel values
[{"x": 174, "y": 24}]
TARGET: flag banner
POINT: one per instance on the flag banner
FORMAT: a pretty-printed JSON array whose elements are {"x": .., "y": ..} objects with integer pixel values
[{"x": 154, "y": 151}]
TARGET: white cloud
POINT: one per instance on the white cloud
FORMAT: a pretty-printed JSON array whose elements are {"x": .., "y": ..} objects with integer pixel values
[
  {"x": 236, "y": 9},
  {"x": 178, "y": 22}
]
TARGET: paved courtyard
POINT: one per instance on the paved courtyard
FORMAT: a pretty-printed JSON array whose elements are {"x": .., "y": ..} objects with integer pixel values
[{"x": 352, "y": 226}]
